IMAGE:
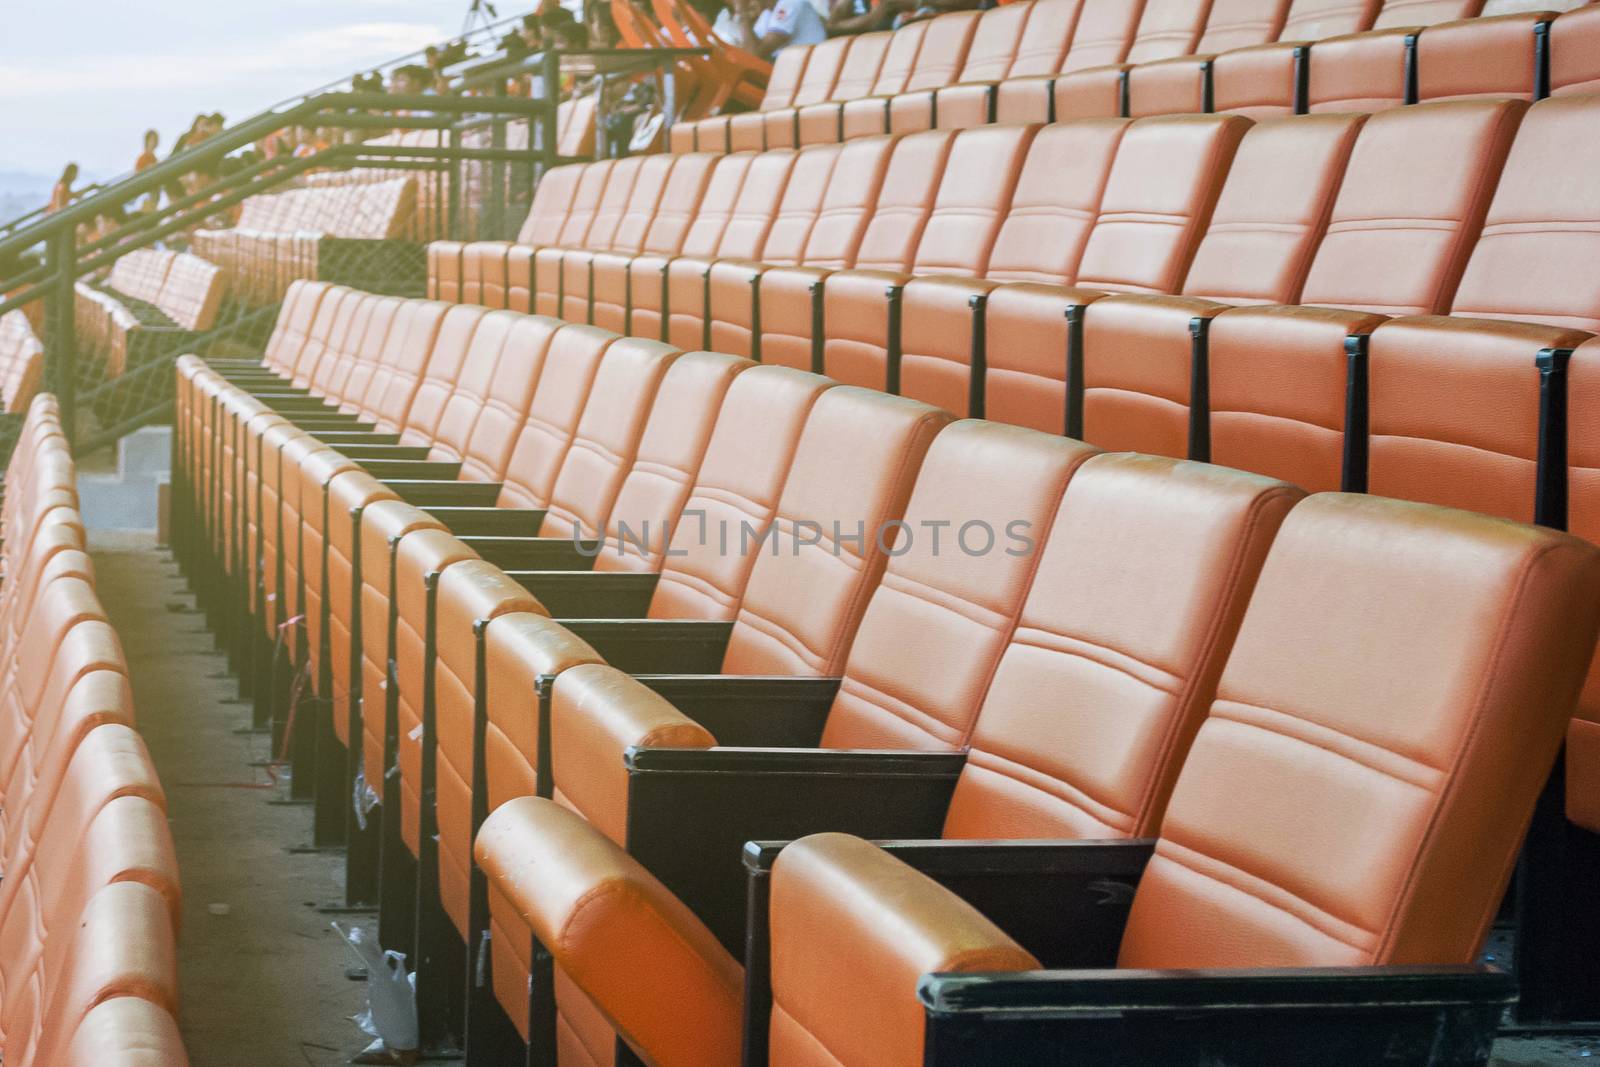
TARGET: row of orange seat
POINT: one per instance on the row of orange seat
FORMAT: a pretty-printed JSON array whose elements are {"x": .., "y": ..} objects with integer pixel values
[
  {"x": 1050, "y": 60},
  {"x": 148, "y": 294},
  {"x": 1312, "y": 261},
  {"x": 415, "y": 490},
  {"x": 21, "y": 362},
  {"x": 89, "y": 905},
  {"x": 281, "y": 236}
]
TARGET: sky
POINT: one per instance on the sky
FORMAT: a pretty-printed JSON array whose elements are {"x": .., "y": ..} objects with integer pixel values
[{"x": 83, "y": 79}]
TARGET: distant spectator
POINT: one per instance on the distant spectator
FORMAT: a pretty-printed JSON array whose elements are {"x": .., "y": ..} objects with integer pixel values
[
  {"x": 772, "y": 25},
  {"x": 601, "y": 28},
  {"x": 63, "y": 194},
  {"x": 561, "y": 30},
  {"x": 147, "y": 158},
  {"x": 863, "y": 16},
  {"x": 410, "y": 80}
]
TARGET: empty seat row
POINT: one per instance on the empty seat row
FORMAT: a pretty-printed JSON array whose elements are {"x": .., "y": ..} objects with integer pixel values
[
  {"x": 283, "y": 236},
  {"x": 167, "y": 292},
  {"x": 1049, "y": 60},
  {"x": 90, "y": 899},
  {"x": 21, "y": 362},
  {"x": 461, "y": 693}
]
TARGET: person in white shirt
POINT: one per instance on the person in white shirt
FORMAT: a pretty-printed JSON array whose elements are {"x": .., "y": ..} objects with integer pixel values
[{"x": 771, "y": 25}]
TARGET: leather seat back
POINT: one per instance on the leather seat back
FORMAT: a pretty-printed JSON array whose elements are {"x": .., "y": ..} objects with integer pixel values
[
  {"x": 1575, "y": 52},
  {"x": 1168, "y": 28},
  {"x": 982, "y": 507},
  {"x": 747, "y": 461},
  {"x": 419, "y": 422},
  {"x": 552, "y": 200},
  {"x": 369, "y": 350},
  {"x": 788, "y": 70},
  {"x": 861, "y": 66},
  {"x": 1045, "y": 39},
  {"x": 1273, "y": 210},
  {"x": 1312, "y": 20},
  {"x": 716, "y": 206},
  {"x": 1313, "y": 825},
  {"x": 1240, "y": 24},
  {"x": 975, "y": 190},
  {"x": 944, "y": 50},
  {"x": 995, "y": 42},
  {"x": 899, "y": 58},
  {"x": 545, "y": 435},
  {"x": 905, "y": 198},
  {"x": 473, "y": 384},
  {"x": 296, "y": 318},
  {"x": 823, "y": 65},
  {"x": 649, "y": 189},
  {"x": 607, "y": 436},
  {"x": 585, "y": 204},
  {"x": 680, "y": 204},
  {"x": 853, "y": 472},
  {"x": 803, "y": 196},
  {"x": 1531, "y": 262},
  {"x": 1103, "y": 35},
  {"x": 613, "y": 205},
  {"x": 848, "y": 203},
  {"x": 405, "y": 355},
  {"x": 668, "y": 460},
  {"x": 1414, "y": 195},
  {"x": 1057, "y": 198},
  {"x": 517, "y": 376},
  {"x": 1158, "y": 201},
  {"x": 1140, "y": 585}
]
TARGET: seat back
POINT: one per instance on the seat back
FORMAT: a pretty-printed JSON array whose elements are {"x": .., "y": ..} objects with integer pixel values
[
  {"x": 1396, "y": 13},
  {"x": 1045, "y": 39},
  {"x": 585, "y": 204},
  {"x": 1057, "y": 198},
  {"x": 861, "y": 65},
  {"x": 1413, "y": 198},
  {"x": 1103, "y": 34},
  {"x": 517, "y": 377},
  {"x": 571, "y": 363},
  {"x": 944, "y": 50},
  {"x": 754, "y": 210},
  {"x": 983, "y": 505},
  {"x": 671, "y": 450},
  {"x": 649, "y": 189},
  {"x": 975, "y": 190},
  {"x": 995, "y": 42},
  {"x": 788, "y": 71},
  {"x": 551, "y": 201},
  {"x": 899, "y": 58},
  {"x": 1168, "y": 28},
  {"x": 1575, "y": 52},
  {"x": 848, "y": 203},
  {"x": 1365, "y": 805},
  {"x": 419, "y": 423},
  {"x": 905, "y": 198},
  {"x": 747, "y": 461},
  {"x": 853, "y": 471},
  {"x": 823, "y": 66},
  {"x": 1158, "y": 201},
  {"x": 405, "y": 355},
  {"x": 681, "y": 199},
  {"x": 803, "y": 196},
  {"x": 369, "y": 350},
  {"x": 473, "y": 385},
  {"x": 1531, "y": 262},
  {"x": 607, "y": 437},
  {"x": 1240, "y": 24},
  {"x": 613, "y": 205},
  {"x": 1272, "y": 210},
  {"x": 1140, "y": 586},
  {"x": 1312, "y": 20},
  {"x": 716, "y": 205}
]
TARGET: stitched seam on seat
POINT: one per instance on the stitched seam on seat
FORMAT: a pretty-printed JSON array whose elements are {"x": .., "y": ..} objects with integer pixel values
[
  {"x": 1213, "y": 635},
  {"x": 1034, "y": 636},
  {"x": 907, "y": 713},
  {"x": 1221, "y": 710},
  {"x": 801, "y": 1028},
  {"x": 1291, "y": 904},
  {"x": 1454, "y": 444},
  {"x": 944, "y": 600},
  {"x": 1293, "y": 419},
  {"x": 1446, "y": 797},
  {"x": 1053, "y": 786}
]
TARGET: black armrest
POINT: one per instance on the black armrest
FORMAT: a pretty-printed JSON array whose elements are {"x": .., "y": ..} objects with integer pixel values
[
  {"x": 424, "y": 492},
  {"x": 338, "y": 438},
  {"x": 690, "y": 811},
  {"x": 295, "y": 402},
  {"x": 536, "y": 553},
  {"x": 490, "y": 521},
  {"x": 331, "y": 420},
  {"x": 652, "y": 646},
  {"x": 372, "y": 452},
  {"x": 588, "y": 595},
  {"x": 420, "y": 469},
  {"x": 1312, "y": 1017},
  {"x": 751, "y": 710},
  {"x": 1064, "y": 901}
]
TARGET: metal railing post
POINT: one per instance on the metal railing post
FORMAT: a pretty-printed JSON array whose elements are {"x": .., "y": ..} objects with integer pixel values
[{"x": 61, "y": 341}]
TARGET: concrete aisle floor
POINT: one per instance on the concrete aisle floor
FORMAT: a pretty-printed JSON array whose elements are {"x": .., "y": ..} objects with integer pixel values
[
  {"x": 262, "y": 974},
  {"x": 263, "y": 983}
]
